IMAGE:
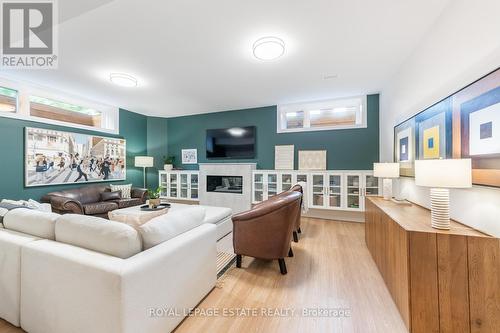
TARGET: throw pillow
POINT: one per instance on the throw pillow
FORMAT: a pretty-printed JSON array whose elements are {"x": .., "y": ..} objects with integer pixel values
[
  {"x": 125, "y": 189},
  {"x": 107, "y": 196}
]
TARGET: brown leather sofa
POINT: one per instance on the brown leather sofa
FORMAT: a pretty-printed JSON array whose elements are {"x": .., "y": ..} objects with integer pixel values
[
  {"x": 88, "y": 200},
  {"x": 265, "y": 231}
]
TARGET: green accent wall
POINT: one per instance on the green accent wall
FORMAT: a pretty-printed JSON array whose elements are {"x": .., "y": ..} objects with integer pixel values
[
  {"x": 157, "y": 147},
  {"x": 133, "y": 127},
  {"x": 349, "y": 149}
]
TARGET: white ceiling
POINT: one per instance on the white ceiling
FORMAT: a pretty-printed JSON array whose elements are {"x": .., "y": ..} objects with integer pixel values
[{"x": 195, "y": 56}]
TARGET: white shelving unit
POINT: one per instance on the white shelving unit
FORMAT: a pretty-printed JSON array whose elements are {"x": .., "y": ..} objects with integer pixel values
[
  {"x": 331, "y": 190},
  {"x": 179, "y": 184}
]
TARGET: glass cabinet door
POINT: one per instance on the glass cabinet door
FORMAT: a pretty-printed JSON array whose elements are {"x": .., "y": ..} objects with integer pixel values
[
  {"x": 353, "y": 191},
  {"x": 164, "y": 184},
  {"x": 318, "y": 190},
  {"x": 173, "y": 185},
  {"x": 183, "y": 185},
  {"x": 272, "y": 184},
  {"x": 258, "y": 187},
  {"x": 286, "y": 181},
  {"x": 301, "y": 177},
  {"x": 334, "y": 191},
  {"x": 371, "y": 186},
  {"x": 194, "y": 186}
]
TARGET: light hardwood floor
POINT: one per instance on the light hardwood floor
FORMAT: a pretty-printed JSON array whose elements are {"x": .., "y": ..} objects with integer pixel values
[{"x": 331, "y": 269}]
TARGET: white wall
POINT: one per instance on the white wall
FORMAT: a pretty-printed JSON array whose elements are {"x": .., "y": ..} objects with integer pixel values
[{"x": 462, "y": 46}]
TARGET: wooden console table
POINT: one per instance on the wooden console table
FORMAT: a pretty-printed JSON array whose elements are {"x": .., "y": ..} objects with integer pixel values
[{"x": 441, "y": 281}]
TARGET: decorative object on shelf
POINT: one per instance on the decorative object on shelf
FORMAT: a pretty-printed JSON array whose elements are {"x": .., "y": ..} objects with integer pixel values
[
  {"x": 387, "y": 171},
  {"x": 56, "y": 157},
  {"x": 284, "y": 157},
  {"x": 404, "y": 147},
  {"x": 440, "y": 175},
  {"x": 168, "y": 162},
  {"x": 189, "y": 156},
  {"x": 144, "y": 162},
  {"x": 465, "y": 124},
  {"x": 154, "y": 197},
  {"x": 312, "y": 159}
]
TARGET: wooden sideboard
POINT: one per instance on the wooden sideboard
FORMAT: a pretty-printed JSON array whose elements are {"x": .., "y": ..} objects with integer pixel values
[{"x": 441, "y": 281}]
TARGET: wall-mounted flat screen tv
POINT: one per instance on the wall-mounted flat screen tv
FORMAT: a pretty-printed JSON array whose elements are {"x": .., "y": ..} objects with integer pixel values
[{"x": 234, "y": 142}]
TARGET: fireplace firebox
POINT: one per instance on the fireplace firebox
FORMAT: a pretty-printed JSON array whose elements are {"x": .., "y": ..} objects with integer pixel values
[{"x": 225, "y": 184}]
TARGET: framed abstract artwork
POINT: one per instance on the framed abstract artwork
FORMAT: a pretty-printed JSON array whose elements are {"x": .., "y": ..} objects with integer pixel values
[
  {"x": 55, "y": 157},
  {"x": 463, "y": 125},
  {"x": 476, "y": 128},
  {"x": 433, "y": 131},
  {"x": 404, "y": 147}
]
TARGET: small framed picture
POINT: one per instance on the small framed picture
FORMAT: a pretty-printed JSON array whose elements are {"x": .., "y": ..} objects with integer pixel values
[{"x": 189, "y": 156}]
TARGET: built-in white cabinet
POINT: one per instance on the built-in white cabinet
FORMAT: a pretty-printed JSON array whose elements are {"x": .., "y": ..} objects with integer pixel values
[
  {"x": 180, "y": 185},
  {"x": 333, "y": 190}
]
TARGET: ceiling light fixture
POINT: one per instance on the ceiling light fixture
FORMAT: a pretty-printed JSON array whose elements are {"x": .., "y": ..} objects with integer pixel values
[
  {"x": 268, "y": 48},
  {"x": 123, "y": 80}
]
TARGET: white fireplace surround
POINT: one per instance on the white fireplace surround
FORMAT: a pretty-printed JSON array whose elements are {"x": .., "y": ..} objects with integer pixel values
[{"x": 236, "y": 201}]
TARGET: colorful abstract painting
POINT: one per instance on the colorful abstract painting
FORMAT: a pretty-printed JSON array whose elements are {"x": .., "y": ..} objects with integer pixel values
[
  {"x": 404, "y": 147},
  {"x": 463, "y": 125},
  {"x": 430, "y": 142}
]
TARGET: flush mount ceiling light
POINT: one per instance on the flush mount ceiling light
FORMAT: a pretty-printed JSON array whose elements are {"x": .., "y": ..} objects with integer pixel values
[
  {"x": 268, "y": 48},
  {"x": 123, "y": 80}
]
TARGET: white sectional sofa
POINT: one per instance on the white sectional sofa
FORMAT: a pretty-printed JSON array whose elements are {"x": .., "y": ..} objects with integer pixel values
[{"x": 73, "y": 273}]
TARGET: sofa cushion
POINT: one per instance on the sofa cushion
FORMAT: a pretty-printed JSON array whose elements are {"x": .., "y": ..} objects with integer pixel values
[
  {"x": 11, "y": 245},
  {"x": 32, "y": 222},
  {"x": 97, "y": 234},
  {"x": 99, "y": 207},
  {"x": 107, "y": 196},
  {"x": 124, "y": 203},
  {"x": 167, "y": 226},
  {"x": 125, "y": 189}
]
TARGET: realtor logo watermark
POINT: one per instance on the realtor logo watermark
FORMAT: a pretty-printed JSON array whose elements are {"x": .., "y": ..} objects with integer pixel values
[{"x": 29, "y": 34}]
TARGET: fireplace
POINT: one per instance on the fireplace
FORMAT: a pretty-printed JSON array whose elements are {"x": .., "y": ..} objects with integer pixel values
[{"x": 225, "y": 184}]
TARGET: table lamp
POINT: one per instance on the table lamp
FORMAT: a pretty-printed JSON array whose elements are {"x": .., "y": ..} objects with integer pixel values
[
  {"x": 144, "y": 162},
  {"x": 387, "y": 171},
  {"x": 440, "y": 176}
]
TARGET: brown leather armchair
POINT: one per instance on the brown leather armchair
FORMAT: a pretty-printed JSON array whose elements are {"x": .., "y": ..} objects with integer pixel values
[
  {"x": 265, "y": 231},
  {"x": 295, "y": 188},
  {"x": 87, "y": 200}
]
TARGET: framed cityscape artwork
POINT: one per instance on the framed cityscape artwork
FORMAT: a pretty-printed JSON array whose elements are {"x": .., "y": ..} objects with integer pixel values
[
  {"x": 463, "y": 125},
  {"x": 55, "y": 157}
]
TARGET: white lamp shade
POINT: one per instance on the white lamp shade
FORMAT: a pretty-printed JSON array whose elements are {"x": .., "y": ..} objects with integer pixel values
[
  {"x": 144, "y": 161},
  {"x": 386, "y": 170},
  {"x": 450, "y": 173}
]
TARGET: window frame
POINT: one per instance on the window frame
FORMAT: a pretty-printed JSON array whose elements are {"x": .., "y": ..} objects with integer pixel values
[
  {"x": 110, "y": 122},
  {"x": 307, "y": 107}
]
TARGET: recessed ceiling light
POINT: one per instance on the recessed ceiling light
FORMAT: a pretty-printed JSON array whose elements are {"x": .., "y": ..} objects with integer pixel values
[
  {"x": 268, "y": 48},
  {"x": 123, "y": 80}
]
